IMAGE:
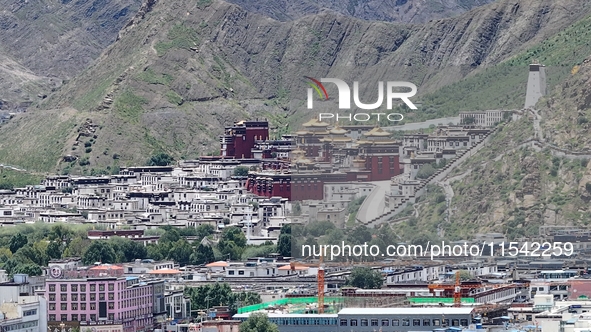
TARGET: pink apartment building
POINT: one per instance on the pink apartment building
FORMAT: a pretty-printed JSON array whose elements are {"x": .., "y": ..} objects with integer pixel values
[{"x": 103, "y": 297}]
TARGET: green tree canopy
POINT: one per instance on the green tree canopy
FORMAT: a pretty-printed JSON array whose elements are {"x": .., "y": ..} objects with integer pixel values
[
  {"x": 161, "y": 159},
  {"x": 99, "y": 251},
  {"x": 17, "y": 241},
  {"x": 258, "y": 322},
  {"x": 366, "y": 278},
  {"x": 241, "y": 171}
]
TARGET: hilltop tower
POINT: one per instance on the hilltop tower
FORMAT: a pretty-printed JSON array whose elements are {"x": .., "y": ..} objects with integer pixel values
[{"x": 536, "y": 84}]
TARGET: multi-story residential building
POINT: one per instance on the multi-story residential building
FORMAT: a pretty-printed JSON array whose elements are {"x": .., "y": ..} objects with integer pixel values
[
  {"x": 105, "y": 298},
  {"x": 20, "y": 309}
]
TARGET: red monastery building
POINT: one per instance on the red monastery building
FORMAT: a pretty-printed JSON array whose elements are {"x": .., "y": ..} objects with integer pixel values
[{"x": 322, "y": 154}]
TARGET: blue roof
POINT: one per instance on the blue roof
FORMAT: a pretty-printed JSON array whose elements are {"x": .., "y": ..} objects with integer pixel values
[{"x": 131, "y": 278}]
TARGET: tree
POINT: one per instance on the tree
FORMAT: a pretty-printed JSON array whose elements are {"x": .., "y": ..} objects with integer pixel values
[
  {"x": 54, "y": 250},
  {"x": 202, "y": 255},
  {"x": 319, "y": 228},
  {"x": 181, "y": 252},
  {"x": 366, "y": 278},
  {"x": 258, "y": 322},
  {"x": 359, "y": 235},
  {"x": 161, "y": 159},
  {"x": 241, "y": 171},
  {"x": 426, "y": 171},
  {"x": 284, "y": 245},
  {"x": 204, "y": 231},
  {"x": 77, "y": 247},
  {"x": 17, "y": 241},
  {"x": 30, "y": 269},
  {"x": 99, "y": 251}
]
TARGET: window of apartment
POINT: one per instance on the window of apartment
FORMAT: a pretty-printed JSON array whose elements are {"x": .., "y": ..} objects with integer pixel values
[
  {"x": 93, "y": 288},
  {"x": 52, "y": 318},
  {"x": 406, "y": 322},
  {"x": 93, "y": 297},
  {"x": 231, "y": 272},
  {"x": 82, "y": 297},
  {"x": 385, "y": 322},
  {"x": 52, "y": 287},
  {"x": 74, "y": 306},
  {"x": 111, "y": 316},
  {"x": 353, "y": 322},
  {"x": 64, "y": 306},
  {"x": 51, "y": 297},
  {"x": 426, "y": 322},
  {"x": 93, "y": 306},
  {"x": 241, "y": 272},
  {"x": 111, "y": 305},
  {"x": 101, "y": 287},
  {"x": 64, "y": 297},
  {"x": 83, "y": 288},
  {"x": 464, "y": 322},
  {"x": 364, "y": 322},
  {"x": 436, "y": 322},
  {"x": 74, "y": 297},
  {"x": 111, "y": 287},
  {"x": 343, "y": 322},
  {"x": 82, "y": 317},
  {"x": 111, "y": 296},
  {"x": 416, "y": 322},
  {"x": 101, "y": 296},
  {"x": 74, "y": 317},
  {"x": 455, "y": 322},
  {"x": 74, "y": 287},
  {"x": 374, "y": 322},
  {"x": 82, "y": 306},
  {"x": 395, "y": 322},
  {"x": 445, "y": 322},
  {"x": 93, "y": 317},
  {"x": 64, "y": 288},
  {"x": 64, "y": 317},
  {"x": 52, "y": 306}
]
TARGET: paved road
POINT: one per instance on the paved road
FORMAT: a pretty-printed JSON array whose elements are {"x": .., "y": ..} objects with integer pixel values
[
  {"x": 426, "y": 124},
  {"x": 373, "y": 206}
]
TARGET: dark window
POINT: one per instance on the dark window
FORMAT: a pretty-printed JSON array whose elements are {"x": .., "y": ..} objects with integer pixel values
[
  {"x": 395, "y": 322},
  {"x": 426, "y": 322},
  {"x": 364, "y": 322},
  {"x": 374, "y": 322},
  {"x": 416, "y": 322},
  {"x": 343, "y": 322},
  {"x": 406, "y": 322},
  {"x": 436, "y": 322},
  {"x": 455, "y": 322},
  {"x": 464, "y": 322},
  {"x": 385, "y": 322},
  {"x": 353, "y": 322}
]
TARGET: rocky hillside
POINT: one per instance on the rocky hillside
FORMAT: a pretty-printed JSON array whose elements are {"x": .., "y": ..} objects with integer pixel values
[
  {"x": 406, "y": 11},
  {"x": 46, "y": 42},
  {"x": 178, "y": 73},
  {"x": 525, "y": 177}
]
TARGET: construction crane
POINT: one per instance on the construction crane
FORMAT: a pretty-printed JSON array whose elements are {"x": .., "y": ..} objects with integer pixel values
[
  {"x": 457, "y": 288},
  {"x": 320, "y": 278},
  {"x": 320, "y": 285}
]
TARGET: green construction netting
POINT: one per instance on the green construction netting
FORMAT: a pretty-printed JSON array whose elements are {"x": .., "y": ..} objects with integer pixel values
[
  {"x": 439, "y": 300},
  {"x": 289, "y": 300}
]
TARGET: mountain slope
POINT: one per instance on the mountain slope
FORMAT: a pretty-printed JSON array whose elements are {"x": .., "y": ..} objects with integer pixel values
[
  {"x": 405, "y": 11},
  {"x": 515, "y": 187},
  {"x": 171, "y": 84},
  {"x": 51, "y": 41}
]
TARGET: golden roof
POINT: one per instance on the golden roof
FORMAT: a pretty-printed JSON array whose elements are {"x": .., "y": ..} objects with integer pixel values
[
  {"x": 377, "y": 131},
  {"x": 315, "y": 123},
  {"x": 338, "y": 131}
]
